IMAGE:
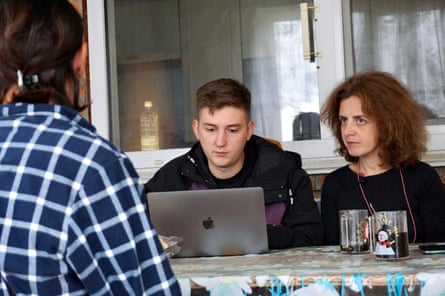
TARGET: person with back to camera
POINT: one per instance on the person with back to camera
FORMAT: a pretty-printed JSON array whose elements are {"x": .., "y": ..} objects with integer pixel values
[
  {"x": 71, "y": 217},
  {"x": 227, "y": 154},
  {"x": 381, "y": 133}
]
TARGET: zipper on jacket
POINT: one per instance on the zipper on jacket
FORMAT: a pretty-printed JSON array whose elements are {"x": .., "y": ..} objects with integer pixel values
[{"x": 291, "y": 199}]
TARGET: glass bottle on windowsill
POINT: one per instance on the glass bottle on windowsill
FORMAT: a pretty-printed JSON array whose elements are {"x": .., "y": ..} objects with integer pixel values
[{"x": 149, "y": 128}]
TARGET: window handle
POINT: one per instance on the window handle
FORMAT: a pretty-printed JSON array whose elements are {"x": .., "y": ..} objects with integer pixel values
[{"x": 307, "y": 30}]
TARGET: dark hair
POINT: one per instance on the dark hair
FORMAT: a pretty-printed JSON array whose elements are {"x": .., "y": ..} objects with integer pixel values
[
  {"x": 399, "y": 119},
  {"x": 40, "y": 38},
  {"x": 221, "y": 93}
]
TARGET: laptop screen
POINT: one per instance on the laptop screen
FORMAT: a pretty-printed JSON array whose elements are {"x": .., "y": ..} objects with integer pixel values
[{"x": 212, "y": 222}]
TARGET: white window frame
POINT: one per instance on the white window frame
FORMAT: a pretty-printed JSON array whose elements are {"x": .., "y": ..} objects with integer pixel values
[{"x": 317, "y": 155}]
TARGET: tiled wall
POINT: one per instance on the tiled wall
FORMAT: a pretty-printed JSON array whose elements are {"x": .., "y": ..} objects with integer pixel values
[{"x": 317, "y": 181}]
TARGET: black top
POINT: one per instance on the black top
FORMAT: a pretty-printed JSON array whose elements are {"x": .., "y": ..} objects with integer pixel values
[
  {"x": 278, "y": 172},
  {"x": 425, "y": 191}
]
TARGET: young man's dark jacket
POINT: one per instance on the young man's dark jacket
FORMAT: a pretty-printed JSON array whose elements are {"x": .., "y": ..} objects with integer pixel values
[{"x": 266, "y": 165}]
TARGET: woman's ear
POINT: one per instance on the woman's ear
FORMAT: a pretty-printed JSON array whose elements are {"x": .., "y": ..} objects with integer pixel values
[
  {"x": 80, "y": 59},
  {"x": 10, "y": 93}
]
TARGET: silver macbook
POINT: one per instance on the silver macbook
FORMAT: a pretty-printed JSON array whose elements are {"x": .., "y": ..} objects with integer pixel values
[{"x": 212, "y": 222}]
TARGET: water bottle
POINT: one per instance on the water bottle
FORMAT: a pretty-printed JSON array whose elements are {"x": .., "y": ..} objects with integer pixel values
[{"x": 149, "y": 128}]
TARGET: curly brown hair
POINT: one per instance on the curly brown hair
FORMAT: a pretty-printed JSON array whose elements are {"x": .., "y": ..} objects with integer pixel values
[{"x": 400, "y": 122}]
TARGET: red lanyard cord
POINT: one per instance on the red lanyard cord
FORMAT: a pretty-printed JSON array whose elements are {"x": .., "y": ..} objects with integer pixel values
[{"x": 371, "y": 210}]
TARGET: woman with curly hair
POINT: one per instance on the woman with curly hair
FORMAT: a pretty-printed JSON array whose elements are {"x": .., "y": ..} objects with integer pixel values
[{"x": 381, "y": 133}]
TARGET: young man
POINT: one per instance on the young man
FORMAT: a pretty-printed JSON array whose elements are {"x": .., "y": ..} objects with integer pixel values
[{"x": 227, "y": 154}]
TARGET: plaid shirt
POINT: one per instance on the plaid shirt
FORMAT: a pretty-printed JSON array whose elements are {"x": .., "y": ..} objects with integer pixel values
[{"x": 72, "y": 220}]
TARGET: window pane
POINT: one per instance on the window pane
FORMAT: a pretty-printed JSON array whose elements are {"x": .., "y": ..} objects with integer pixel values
[
  {"x": 284, "y": 86},
  {"x": 148, "y": 57},
  {"x": 403, "y": 37},
  {"x": 164, "y": 50}
]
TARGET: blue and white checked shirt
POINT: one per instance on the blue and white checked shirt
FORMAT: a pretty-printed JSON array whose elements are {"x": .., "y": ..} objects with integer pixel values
[{"x": 72, "y": 220}]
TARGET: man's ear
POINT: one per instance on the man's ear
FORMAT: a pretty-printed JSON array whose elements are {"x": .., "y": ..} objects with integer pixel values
[
  {"x": 195, "y": 127},
  {"x": 250, "y": 127},
  {"x": 80, "y": 59}
]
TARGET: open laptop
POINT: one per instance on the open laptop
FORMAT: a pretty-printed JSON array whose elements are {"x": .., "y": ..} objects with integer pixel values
[{"x": 212, "y": 222}]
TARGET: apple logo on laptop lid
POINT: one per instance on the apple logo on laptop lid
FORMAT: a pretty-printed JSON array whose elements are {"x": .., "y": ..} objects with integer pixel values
[{"x": 208, "y": 223}]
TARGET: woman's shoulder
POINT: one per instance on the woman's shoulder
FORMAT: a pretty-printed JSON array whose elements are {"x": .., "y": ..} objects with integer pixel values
[
  {"x": 341, "y": 176},
  {"x": 344, "y": 171},
  {"x": 421, "y": 173},
  {"x": 421, "y": 168}
]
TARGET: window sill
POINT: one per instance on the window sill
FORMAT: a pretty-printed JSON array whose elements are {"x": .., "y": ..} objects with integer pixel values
[{"x": 148, "y": 162}]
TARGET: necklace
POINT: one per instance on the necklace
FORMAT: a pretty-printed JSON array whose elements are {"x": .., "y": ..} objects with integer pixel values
[{"x": 372, "y": 210}]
